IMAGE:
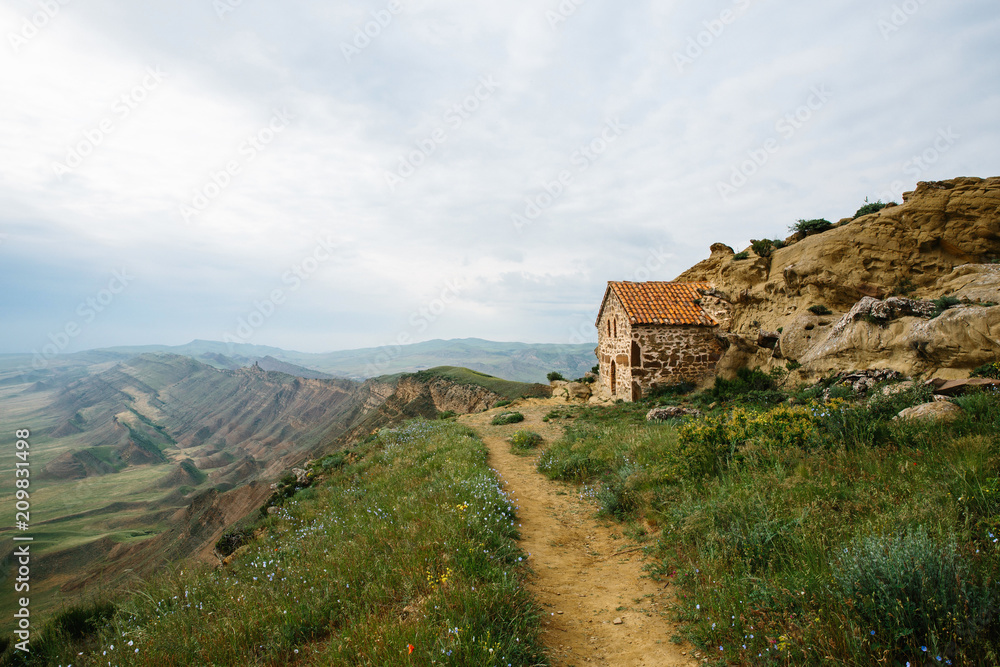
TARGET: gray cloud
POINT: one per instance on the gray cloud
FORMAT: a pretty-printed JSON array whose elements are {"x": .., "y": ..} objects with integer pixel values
[{"x": 647, "y": 202}]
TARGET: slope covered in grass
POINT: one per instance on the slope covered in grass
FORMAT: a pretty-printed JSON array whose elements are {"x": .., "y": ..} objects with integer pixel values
[
  {"x": 822, "y": 533},
  {"x": 405, "y": 554},
  {"x": 506, "y": 388}
]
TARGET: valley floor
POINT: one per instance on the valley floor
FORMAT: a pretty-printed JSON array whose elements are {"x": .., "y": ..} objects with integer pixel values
[{"x": 586, "y": 576}]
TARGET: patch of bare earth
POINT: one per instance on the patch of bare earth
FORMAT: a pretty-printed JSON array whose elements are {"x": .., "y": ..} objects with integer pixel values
[{"x": 599, "y": 607}]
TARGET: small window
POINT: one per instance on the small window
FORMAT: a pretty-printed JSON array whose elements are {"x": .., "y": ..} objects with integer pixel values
[
  {"x": 615, "y": 334},
  {"x": 636, "y": 355}
]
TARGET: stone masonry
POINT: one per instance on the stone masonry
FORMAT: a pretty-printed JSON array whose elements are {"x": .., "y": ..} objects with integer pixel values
[{"x": 636, "y": 358}]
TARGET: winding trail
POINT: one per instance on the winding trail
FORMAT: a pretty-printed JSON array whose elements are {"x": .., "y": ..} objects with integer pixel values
[{"x": 584, "y": 579}]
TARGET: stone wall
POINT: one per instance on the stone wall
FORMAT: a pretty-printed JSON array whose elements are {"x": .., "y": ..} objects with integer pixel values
[
  {"x": 672, "y": 354},
  {"x": 614, "y": 340}
]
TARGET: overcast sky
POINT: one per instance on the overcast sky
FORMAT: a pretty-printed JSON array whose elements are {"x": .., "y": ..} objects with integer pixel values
[{"x": 330, "y": 175}]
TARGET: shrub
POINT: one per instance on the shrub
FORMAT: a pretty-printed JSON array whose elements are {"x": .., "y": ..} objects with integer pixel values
[
  {"x": 596, "y": 370},
  {"x": 793, "y": 365},
  {"x": 525, "y": 440},
  {"x": 870, "y": 207},
  {"x": 553, "y": 376},
  {"x": 746, "y": 380},
  {"x": 991, "y": 371},
  {"x": 741, "y": 255},
  {"x": 814, "y": 226},
  {"x": 664, "y": 391},
  {"x": 762, "y": 247},
  {"x": 447, "y": 414},
  {"x": 820, "y": 310},
  {"x": 944, "y": 303},
  {"x": 912, "y": 590},
  {"x": 507, "y": 418}
]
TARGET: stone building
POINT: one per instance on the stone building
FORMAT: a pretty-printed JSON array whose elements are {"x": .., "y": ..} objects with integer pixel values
[{"x": 654, "y": 334}]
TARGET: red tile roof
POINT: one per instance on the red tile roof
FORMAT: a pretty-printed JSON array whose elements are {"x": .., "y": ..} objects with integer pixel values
[{"x": 660, "y": 302}]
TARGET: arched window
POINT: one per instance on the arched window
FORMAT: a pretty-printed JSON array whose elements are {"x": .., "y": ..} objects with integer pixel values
[
  {"x": 615, "y": 329},
  {"x": 636, "y": 355},
  {"x": 609, "y": 326}
]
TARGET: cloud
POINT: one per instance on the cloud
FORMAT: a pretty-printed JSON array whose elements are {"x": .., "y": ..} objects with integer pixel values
[{"x": 412, "y": 103}]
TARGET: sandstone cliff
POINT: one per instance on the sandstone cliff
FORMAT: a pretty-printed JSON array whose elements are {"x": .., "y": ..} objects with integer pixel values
[{"x": 943, "y": 241}]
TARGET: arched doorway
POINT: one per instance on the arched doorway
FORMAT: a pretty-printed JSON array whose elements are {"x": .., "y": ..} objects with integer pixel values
[
  {"x": 636, "y": 355},
  {"x": 614, "y": 378}
]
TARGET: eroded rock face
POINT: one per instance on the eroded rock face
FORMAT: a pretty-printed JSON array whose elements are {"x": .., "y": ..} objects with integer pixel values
[{"x": 878, "y": 275}]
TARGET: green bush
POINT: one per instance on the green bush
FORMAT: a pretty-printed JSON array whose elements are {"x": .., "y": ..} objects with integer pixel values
[
  {"x": 943, "y": 303},
  {"x": 873, "y": 207},
  {"x": 819, "y": 309},
  {"x": 507, "y": 418},
  {"x": 553, "y": 376},
  {"x": 762, "y": 247},
  {"x": 991, "y": 371},
  {"x": 596, "y": 370},
  {"x": 525, "y": 440},
  {"x": 446, "y": 414},
  {"x": 746, "y": 381},
  {"x": 741, "y": 255},
  {"x": 814, "y": 226},
  {"x": 913, "y": 591}
]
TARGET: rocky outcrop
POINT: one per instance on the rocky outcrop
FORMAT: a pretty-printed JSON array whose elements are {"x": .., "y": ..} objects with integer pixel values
[
  {"x": 572, "y": 391},
  {"x": 877, "y": 276},
  {"x": 671, "y": 412},
  {"x": 936, "y": 411}
]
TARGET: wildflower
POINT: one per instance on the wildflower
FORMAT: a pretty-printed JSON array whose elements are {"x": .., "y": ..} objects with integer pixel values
[{"x": 409, "y": 649}]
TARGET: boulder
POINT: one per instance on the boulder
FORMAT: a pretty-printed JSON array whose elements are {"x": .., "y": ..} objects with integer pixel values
[
  {"x": 301, "y": 476},
  {"x": 768, "y": 339},
  {"x": 959, "y": 387},
  {"x": 572, "y": 391},
  {"x": 936, "y": 411},
  {"x": 671, "y": 412}
]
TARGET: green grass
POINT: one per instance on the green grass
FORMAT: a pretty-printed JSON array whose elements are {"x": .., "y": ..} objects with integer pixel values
[
  {"x": 504, "y": 418},
  {"x": 793, "y": 533},
  {"x": 508, "y": 389},
  {"x": 409, "y": 544},
  {"x": 524, "y": 441}
]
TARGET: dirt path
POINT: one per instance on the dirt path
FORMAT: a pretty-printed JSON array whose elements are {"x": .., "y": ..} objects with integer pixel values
[{"x": 601, "y": 610}]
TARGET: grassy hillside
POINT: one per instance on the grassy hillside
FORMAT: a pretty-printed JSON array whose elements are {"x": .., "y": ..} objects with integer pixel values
[
  {"x": 403, "y": 553},
  {"x": 117, "y": 449},
  {"x": 506, "y": 388},
  {"x": 817, "y": 533}
]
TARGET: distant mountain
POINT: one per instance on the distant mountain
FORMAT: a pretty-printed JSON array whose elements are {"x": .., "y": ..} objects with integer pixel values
[{"x": 521, "y": 362}]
